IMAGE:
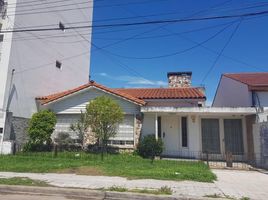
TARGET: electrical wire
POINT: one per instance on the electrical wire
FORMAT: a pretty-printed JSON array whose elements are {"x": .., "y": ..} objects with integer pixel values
[
  {"x": 244, "y": 15},
  {"x": 174, "y": 53},
  {"x": 219, "y": 55}
]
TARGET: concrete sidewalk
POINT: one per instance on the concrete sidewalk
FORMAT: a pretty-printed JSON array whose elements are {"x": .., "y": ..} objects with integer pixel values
[{"x": 231, "y": 183}]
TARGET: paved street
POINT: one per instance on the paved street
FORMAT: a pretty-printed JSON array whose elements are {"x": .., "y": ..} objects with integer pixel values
[{"x": 232, "y": 183}]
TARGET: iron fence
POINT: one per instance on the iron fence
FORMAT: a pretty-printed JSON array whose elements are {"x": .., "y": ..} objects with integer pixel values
[{"x": 221, "y": 160}]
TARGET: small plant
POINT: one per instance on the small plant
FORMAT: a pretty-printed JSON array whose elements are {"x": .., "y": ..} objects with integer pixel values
[
  {"x": 213, "y": 196},
  {"x": 22, "y": 181},
  {"x": 165, "y": 190},
  {"x": 150, "y": 147},
  {"x": 245, "y": 198},
  {"x": 117, "y": 189}
]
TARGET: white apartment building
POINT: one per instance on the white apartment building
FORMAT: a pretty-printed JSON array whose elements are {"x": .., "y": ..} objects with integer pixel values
[{"x": 37, "y": 63}]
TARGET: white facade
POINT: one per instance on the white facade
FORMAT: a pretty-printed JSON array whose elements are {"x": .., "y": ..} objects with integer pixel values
[
  {"x": 33, "y": 55},
  {"x": 171, "y": 127},
  {"x": 232, "y": 93},
  {"x": 69, "y": 108},
  {"x": 74, "y": 104}
]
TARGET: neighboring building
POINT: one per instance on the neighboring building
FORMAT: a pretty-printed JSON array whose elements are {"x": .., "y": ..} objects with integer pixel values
[
  {"x": 244, "y": 90},
  {"x": 176, "y": 114},
  {"x": 40, "y": 62}
]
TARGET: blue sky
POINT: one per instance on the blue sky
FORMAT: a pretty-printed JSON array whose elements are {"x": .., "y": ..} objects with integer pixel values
[{"x": 128, "y": 57}]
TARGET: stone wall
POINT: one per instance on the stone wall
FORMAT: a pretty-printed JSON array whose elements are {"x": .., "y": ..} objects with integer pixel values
[
  {"x": 183, "y": 80},
  {"x": 137, "y": 128},
  {"x": 19, "y": 131}
]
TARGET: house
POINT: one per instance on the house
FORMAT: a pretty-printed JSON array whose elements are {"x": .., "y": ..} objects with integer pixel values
[
  {"x": 38, "y": 63},
  {"x": 244, "y": 90},
  {"x": 176, "y": 114}
]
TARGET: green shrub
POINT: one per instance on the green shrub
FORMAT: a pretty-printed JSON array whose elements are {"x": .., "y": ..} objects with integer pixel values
[
  {"x": 41, "y": 127},
  {"x": 149, "y": 147}
]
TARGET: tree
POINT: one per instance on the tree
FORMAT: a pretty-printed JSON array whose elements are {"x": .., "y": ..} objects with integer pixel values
[
  {"x": 103, "y": 115},
  {"x": 81, "y": 127},
  {"x": 41, "y": 127},
  {"x": 149, "y": 147}
]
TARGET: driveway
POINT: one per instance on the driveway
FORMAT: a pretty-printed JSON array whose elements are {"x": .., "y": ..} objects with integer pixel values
[{"x": 231, "y": 183}]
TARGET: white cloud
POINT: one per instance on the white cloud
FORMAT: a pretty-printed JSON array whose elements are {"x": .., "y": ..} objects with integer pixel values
[
  {"x": 103, "y": 74},
  {"x": 135, "y": 80}
]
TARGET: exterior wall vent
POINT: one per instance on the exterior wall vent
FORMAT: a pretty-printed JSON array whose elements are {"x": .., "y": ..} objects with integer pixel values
[{"x": 58, "y": 64}]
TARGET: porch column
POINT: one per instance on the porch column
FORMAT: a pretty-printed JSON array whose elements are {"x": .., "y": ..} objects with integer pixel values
[{"x": 156, "y": 126}]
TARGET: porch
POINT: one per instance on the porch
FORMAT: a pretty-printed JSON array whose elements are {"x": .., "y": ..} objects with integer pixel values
[{"x": 202, "y": 133}]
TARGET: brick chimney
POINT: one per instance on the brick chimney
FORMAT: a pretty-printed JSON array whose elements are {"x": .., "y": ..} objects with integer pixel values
[{"x": 179, "y": 79}]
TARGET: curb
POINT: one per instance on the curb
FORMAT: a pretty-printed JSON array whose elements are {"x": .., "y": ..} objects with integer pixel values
[{"x": 85, "y": 193}]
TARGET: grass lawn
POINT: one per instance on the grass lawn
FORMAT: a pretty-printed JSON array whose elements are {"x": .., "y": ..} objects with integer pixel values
[
  {"x": 22, "y": 181},
  {"x": 125, "y": 165}
]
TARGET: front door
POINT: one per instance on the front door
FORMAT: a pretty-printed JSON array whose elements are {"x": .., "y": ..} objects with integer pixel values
[{"x": 170, "y": 134}]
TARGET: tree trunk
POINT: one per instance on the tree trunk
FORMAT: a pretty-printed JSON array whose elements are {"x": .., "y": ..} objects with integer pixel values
[{"x": 102, "y": 150}]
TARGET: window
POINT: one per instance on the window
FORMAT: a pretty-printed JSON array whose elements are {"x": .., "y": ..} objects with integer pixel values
[
  {"x": 120, "y": 142},
  {"x": 58, "y": 64},
  {"x": 184, "y": 134},
  {"x": 1, "y": 130},
  {"x": 159, "y": 127},
  {"x": 210, "y": 136},
  {"x": 125, "y": 129},
  {"x": 233, "y": 136}
]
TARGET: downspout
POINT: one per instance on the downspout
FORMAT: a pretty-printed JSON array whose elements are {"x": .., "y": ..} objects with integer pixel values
[{"x": 256, "y": 104}]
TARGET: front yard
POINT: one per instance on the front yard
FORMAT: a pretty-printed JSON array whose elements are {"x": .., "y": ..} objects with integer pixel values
[{"x": 124, "y": 165}]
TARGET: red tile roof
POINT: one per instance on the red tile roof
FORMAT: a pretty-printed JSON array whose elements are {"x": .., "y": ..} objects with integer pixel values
[
  {"x": 164, "y": 93},
  {"x": 251, "y": 79},
  {"x": 56, "y": 96},
  {"x": 137, "y": 95}
]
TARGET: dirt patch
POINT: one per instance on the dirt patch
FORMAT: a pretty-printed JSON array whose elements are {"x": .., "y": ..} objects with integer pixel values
[{"x": 82, "y": 171}]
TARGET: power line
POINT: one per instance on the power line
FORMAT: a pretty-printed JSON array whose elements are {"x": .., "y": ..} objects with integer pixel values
[
  {"x": 162, "y": 27},
  {"x": 219, "y": 55},
  {"x": 174, "y": 53},
  {"x": 41, "y": 8},
  {"x": 38, "y": 1},
  {"x": 119, "y": 18},
  {"x": 24, "y": 12},
  {"x": 136, "y": 38},
  {"x": 142, "y": 23}
]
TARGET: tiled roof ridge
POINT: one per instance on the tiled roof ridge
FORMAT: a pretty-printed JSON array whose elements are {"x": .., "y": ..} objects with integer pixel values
[
  {"x": 250, "y": 78},
  {"x": 59, "y": 95}
]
